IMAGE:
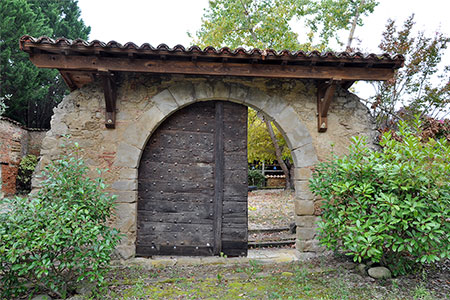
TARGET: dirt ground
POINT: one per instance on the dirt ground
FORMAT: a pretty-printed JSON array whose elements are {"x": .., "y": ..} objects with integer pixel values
[
  {"x": 270, "y": 209},
  {"x": 328, "y": 277}
]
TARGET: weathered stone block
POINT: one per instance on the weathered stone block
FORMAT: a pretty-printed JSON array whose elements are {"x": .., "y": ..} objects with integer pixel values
[
  {"x": 126, "y": 217},
  {"x": 303, "y": 207},
  {"x": 306, "y": 221},
  {"x": 126, "y": 196},
  {"x": 302, "y": 173},
  {"x": 238, "y": 92},
  {"x": 304, "y": 233},
  {"x": 128, "y": 173},
  {"x": 304, "y": 156},
  {"x": 183, "y": 93},
  {"x": 297, "y": 134},
  {"x": 127, "y": 156},
  {"x": 256, "y": 99},
  {"x": 221, "y": 91},
  {"x": 203, "y": 91},
  {"x": 274, "y": 106},
  {"x": 302, "y": 190},
  {"x": 308, "y": 246},
  {"x": 126, "y": 251},
  {"x": 165, "y": 102},
  {"x": 124, "y": 185}
]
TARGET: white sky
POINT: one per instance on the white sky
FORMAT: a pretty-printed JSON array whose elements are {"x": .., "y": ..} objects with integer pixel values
[{"x": 168, "y": 21}]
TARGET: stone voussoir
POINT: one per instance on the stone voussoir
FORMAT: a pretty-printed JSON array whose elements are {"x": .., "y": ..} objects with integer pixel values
[
  {"x": 183, "y": 93},
  {"x": 165, "y": 102},
  {"x": 305, "y": 156},
  {"x": 127, "y": 156}
]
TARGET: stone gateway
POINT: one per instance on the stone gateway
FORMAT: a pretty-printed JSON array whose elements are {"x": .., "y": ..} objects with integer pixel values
[{"x": 169, "y": 124}]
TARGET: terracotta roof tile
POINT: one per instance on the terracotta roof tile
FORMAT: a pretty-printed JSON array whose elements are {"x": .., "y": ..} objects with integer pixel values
[{"x": 209, "y": 51}]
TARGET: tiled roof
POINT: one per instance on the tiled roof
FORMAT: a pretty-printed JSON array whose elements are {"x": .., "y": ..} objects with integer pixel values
[{"x": 115, "y": 48}]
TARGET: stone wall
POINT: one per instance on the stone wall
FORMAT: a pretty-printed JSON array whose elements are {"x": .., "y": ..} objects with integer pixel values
[
  {"x": 144, "y": 101},
  {"x": 15, "y": 142}
]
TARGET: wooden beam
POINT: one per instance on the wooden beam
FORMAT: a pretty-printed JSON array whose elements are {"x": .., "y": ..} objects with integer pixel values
[
  {"x": 109, "y": 90},
  {"x": 68, "y": 80},
  {"x": 92, "y": 63},
  {"x": 325, "y": 93},
  {"x": 86, "y": 51}
]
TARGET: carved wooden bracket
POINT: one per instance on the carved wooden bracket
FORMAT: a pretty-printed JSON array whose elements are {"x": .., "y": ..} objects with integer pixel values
[
  {"x": 109, "y": 89},
  {"x": 325, "y": 93}
]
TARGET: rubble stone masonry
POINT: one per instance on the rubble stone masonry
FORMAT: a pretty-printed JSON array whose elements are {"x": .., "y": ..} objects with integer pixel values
[
  {"x": 144, "y": 101},
  {"x": 15, "y": 142}
]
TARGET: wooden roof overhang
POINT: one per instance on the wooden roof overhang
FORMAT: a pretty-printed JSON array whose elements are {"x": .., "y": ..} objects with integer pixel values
[{"x": 80, "y": 62}]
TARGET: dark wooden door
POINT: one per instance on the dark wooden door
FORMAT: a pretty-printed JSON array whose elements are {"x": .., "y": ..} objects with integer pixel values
[{"x": 192, "y": 189}]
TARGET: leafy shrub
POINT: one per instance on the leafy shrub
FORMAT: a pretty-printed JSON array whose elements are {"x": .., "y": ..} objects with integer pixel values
[
  {"x": 390, "y": 206},
  {"x": 26, "y": 169},
  {"x": 256, "y": 178},
  {"x": 58, "y": 237}
]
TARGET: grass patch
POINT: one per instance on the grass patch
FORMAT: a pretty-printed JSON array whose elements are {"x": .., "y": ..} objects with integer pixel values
[{"x": 257, "y": 281}]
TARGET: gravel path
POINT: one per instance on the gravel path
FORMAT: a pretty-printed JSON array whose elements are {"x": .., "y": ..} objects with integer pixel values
[{"x": 270, "y": 209}]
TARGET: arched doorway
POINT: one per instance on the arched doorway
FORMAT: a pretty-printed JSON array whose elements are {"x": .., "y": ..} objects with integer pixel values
[{"x": 192, "y": 183}]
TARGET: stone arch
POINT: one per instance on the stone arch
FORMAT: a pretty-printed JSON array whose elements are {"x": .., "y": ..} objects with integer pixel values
[{"x": 182, "y": 94}]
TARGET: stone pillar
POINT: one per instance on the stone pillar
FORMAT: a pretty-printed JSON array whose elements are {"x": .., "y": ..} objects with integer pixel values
[{"x": 306, "y": 211}]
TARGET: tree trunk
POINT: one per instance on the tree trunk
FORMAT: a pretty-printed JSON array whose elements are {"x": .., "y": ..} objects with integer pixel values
[
  {"x": 278, "y": 152},
  {"x": 352, "y": 30}
]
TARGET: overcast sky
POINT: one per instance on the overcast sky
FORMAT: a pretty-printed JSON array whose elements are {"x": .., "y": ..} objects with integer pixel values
[{"x": 168, "y": 21}]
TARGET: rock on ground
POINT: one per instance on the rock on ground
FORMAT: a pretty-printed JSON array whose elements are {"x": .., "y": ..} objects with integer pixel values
[
  {"x": 379, "y": 273},
  {"x": 42, "y": 297}
]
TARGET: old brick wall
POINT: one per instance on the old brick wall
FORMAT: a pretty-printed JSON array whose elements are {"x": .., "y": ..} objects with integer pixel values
[
  {"x": 15, "y": 142},
  {"x": 13, "y": 145},
  {"x": 144, "y": 101}
]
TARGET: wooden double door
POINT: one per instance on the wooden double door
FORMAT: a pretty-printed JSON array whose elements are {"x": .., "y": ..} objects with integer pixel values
[{"x": 192, "y": 186}]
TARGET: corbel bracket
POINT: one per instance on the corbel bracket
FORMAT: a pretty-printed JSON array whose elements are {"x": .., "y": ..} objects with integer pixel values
[
  {"x": 109, "y": 89},
  {"x": 325, "y": 93}
]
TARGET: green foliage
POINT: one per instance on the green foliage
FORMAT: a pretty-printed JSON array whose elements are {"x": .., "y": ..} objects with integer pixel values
[
  {"x": 31, "y": 93},
  {"x": 59, "y": 236},
  {"x": 265, "y": 23},
  {"x": 256, "y": 178},
  {"x": 259, "y": 145},
  {"x": 26, "y": 169},
  {"x": 390, "y": 206},
  {"x": 422, "y": 86}
]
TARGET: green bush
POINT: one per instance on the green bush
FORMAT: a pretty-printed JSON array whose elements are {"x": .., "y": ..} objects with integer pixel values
[
  {"x": 256, "y": 178},
  {"x": 390, "y": 206},
  {"x": 26, "y": 169},
  {"x": 59, "y": 236}
]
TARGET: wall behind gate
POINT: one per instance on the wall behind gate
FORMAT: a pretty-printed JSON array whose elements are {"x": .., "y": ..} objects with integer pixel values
[
  {"x": 144, "y": 101},
  {"x": 15, "y": 142}
]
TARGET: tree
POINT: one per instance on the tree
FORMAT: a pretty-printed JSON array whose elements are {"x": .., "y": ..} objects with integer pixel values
[
  {"x": 265, "y": 23},
  {"x": 422, "y": 86},
  {"x": 266, "y": 143},
  {"x": 31, "y": 93}
]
